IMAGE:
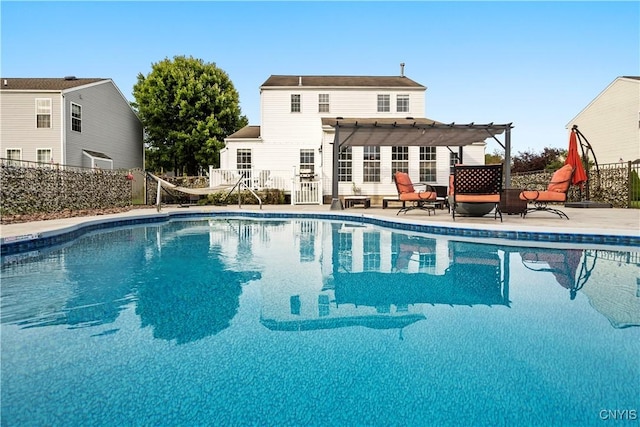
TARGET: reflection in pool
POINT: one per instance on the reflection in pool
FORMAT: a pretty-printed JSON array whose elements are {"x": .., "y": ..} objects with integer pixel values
[{"x": 310, "y": 322}]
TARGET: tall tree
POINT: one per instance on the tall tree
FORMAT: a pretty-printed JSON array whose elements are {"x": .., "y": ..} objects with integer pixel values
[
  {"x": 187, "y": 108},
  {"x": 549, "y": 159}
]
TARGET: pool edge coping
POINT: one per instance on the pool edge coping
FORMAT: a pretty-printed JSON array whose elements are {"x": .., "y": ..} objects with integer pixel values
[{"x": 39, "y": 240}]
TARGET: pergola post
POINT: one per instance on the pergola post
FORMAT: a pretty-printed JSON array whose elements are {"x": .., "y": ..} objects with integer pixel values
[
  {"x": 507, "y": 157},
  {"x": 336, "y": 204}
]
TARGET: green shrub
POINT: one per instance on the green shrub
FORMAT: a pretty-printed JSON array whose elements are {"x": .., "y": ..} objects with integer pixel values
[
  {"x": 268, "y": 197},
  {"x": 634, "y": 185}
]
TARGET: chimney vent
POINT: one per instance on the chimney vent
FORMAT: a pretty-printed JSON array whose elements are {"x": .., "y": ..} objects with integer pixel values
[
  {"x": 402, "y": 69},
  {"x": 5, "y": 82},
  {"x": 300, "y": 81}
]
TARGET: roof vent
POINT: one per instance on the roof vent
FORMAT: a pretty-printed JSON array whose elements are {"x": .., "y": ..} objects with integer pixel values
[
  {"x": 300, "y": 81},
  {"x": 70, "y": 78},
  {"x": 402, "y": 69},
  {"x": 5, "y": 82}
]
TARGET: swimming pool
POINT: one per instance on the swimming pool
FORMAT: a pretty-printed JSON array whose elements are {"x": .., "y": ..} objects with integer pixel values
[{"x": 238, "y": 321}]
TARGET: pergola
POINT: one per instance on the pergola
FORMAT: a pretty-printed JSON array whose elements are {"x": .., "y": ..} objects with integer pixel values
[{"x": 398, "y": 132}]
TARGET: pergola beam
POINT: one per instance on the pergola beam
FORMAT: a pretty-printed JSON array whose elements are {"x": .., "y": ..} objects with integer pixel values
[{"x": 398, "y": 132}]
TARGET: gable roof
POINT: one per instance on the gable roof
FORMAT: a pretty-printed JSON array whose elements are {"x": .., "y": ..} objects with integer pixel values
[
  {"x": 249, "y": 131},
  {"x": 49, "y": 84},
  {"x": 341, "y": 81}
]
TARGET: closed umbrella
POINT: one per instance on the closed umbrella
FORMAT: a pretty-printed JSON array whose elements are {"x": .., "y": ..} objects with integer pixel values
[{"x": 573, "y": 159}]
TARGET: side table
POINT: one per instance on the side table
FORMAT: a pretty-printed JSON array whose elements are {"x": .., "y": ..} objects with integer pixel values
[
  {"x": 510, "y": 202},
  {"x": 350, "y": 201}
]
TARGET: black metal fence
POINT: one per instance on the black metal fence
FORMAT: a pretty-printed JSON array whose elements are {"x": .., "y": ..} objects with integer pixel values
[{"x": 614, "y": 183}]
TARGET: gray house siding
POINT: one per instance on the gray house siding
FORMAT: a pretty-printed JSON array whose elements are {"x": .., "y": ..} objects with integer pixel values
[
  {"x": 108, "y": 126},
  {"x": 18, "y": 125}
]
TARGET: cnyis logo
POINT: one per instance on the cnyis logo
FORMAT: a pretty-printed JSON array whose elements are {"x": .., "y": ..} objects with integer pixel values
[{"x": 618, "y": 414}]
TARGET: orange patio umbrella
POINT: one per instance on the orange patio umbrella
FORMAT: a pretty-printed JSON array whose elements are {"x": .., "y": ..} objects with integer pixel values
[{"x": 573, "y": 159}]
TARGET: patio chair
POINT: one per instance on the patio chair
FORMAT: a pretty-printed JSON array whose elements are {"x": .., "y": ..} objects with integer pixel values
[
  {"x": 556, "y": 192},
  {"x": 442, "y": 193},
  {"x": 476, "y": 186},
  {"x": 423, "y": 199}
]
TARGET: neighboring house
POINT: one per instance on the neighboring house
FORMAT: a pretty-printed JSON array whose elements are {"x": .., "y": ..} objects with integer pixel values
[
  {"x": 611, "y": 122},
  {"x": 69, "y": 121},
  {"x": 292, "y": 135}
]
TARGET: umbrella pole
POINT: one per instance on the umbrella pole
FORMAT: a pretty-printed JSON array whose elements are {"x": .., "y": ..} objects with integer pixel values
[{"x": 585, "y": 161}]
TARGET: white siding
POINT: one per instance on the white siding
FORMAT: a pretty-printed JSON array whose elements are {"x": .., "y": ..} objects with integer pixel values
[
  {"x": 283, "y": 133},
  {"x": 611, "y": 122}
]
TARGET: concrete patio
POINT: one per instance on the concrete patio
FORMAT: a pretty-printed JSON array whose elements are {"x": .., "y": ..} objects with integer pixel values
[{"x": 610, "y": 222}]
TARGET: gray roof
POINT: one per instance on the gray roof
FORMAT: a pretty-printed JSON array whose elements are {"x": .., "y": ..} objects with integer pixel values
[
  {"x": 341, "y": 81},
  {"x": 410, "y": 131},
  {"x": 97, "y": 154},
  {"x": 246, "y": 132},
  {"x": 11, "y": 83}
]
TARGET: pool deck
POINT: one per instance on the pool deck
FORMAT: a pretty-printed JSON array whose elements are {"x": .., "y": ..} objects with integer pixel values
[{"x": 586, "y": 221}]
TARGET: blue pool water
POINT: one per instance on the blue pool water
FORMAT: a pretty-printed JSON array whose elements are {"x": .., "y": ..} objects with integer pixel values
[{"x": 309, "y": 322}]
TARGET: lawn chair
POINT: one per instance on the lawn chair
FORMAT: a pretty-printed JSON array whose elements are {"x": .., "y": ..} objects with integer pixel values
[
  {"x": 423, "y": 199},
  {"x": 475, "y": 185},
  {"x": 556, "y": 192}
]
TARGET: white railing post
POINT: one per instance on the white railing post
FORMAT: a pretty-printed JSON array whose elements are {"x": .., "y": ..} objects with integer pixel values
[{"x": 294, "y": 187}]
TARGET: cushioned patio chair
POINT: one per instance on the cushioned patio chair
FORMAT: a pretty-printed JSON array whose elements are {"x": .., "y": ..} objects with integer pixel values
[
  {"x": 556, "y": 192},
  {"x": 423, "y": 199},
  {"x": 476, "y": 185}
]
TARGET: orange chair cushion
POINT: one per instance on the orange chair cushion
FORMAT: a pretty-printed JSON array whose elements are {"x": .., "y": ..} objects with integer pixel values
[
  {"x": 478, "y": 198},
  {"x": 416, "y": 197},
  {"x": 543, "y": 196},
  {"x": 561, "y": 179},
  {"x": 451, "y": 185},
  {"x": 404, "y": 184}
]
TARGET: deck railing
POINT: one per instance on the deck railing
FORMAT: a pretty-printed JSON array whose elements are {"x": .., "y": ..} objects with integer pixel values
[{"x": 254, "y": 178}]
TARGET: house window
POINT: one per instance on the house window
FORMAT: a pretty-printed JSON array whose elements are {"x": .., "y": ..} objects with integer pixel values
[
  {"x": 427, "y": 164},
  {"x": 402, "y": 103},
  {"x": 399, "y": 159},
  {"x": 14, "y": 155},
  {"x": 345, "y": 165},
  {"x": 383, "y": 103},
  {"x": 295, "y": 103},
  {"x": 44, "y": 155},
  {"x": 453, "y": 160},
  {"x": 371, "y": 251},
  {"x": 243, "y": 158},
  {"x": 323, "y": 103},
  {"x": 345, "y": 252},
  {"x": 371, "y": 164},
  {"x": 427, "y": 263},
  {"x": 307, "y": 160},
  {"x": 76, "y": 117},
  {"x": 43, "y": 112}
]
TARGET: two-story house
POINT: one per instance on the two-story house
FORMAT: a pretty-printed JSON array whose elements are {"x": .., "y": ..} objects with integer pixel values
[
  {"x": 85, "y": 122},
  {"x": 611, "y": 121},
  {"x": 292, "y": 135}
]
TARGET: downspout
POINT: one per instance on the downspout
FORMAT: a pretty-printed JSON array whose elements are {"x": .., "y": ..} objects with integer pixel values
[{"x": 63, "y": 131}]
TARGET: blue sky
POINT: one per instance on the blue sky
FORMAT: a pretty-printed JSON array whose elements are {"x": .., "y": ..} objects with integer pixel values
[{"x": 535, "y": 64}]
